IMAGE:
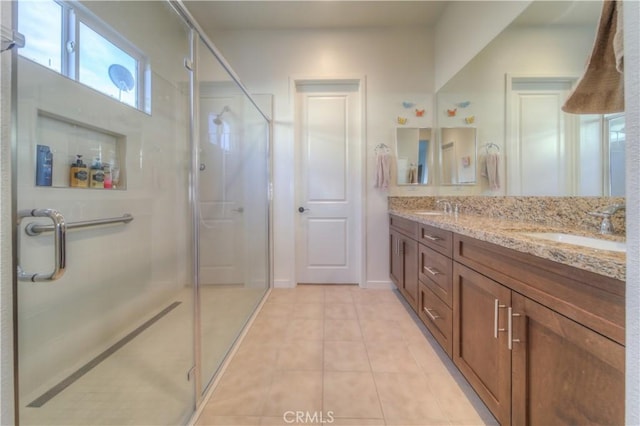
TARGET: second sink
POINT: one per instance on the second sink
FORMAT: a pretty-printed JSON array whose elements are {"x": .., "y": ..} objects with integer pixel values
[
  {"x": 594, "y": 243},
  {"x": 429, "y": 212}
]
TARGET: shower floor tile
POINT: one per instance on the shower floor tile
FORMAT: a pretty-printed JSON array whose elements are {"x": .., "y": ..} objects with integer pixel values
[{"x": 145, "y": 381}]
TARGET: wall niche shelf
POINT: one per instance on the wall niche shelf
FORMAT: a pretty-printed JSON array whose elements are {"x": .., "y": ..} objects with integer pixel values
[{"x": 66, "y": 138}]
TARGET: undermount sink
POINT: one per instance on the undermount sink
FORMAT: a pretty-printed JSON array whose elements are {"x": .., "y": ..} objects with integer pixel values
[
  {"x": 429, "y": 212},
  {"x": 577, "y": 240}
]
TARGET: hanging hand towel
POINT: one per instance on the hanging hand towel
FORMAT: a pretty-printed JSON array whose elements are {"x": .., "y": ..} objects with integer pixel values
[
  {"x": 493, "y": 170},
  {"x": 383, "y": 172},
  {"x": 413, "y": 174}
]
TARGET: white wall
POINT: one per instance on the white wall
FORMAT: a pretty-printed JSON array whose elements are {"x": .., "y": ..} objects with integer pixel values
[
  {"x": 6, "y": 256},
  {"x": 398, "y": 65},
  {"x": 465, "y": 28},
  {"x": 632, "y": 113}
]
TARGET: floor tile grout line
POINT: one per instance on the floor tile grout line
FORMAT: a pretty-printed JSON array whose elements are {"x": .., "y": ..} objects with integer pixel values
[{"x": 375, "y": 383}]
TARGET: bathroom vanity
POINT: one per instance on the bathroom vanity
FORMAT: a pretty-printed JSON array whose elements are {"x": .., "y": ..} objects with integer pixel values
[{"x": 535, "y": 326}]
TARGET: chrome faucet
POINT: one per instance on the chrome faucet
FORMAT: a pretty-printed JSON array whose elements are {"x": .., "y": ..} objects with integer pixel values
[
  {"x": 447, "y": 206},
  {"x": 606, "y": 226}
]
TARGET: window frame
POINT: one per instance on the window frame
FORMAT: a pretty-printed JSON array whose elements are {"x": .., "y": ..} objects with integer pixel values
[{"x": 73, "y": 14}]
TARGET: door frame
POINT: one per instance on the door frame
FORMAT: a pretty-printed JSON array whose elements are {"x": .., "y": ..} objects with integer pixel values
[
  {"x": 360, "y": 202},
  {"x": 513, "y": 148}
]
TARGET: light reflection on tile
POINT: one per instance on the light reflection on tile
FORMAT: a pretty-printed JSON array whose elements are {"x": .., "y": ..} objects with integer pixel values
[{"x": 367, "y": 360}]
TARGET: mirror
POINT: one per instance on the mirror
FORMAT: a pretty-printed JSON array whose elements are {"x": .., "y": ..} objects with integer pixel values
[
  {"x": 414, "y": 153},
  {"x": 544, "y": 51},
  {"x": 458, "y": 156}
]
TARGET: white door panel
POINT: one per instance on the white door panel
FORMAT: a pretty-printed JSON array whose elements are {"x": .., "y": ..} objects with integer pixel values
[
  {"x": 323, "y": 252},
  {"x": 540, "y": 138},
  {"x": 328, "y": 173}
]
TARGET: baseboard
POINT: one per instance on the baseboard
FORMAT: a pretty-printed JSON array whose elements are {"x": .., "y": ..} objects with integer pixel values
[
  {"x": 283, "y": 284},
  {"x": 380, "y": 285}
]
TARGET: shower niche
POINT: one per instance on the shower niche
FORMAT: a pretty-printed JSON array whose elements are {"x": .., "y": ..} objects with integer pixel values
[{"x": 62, "y": 142}]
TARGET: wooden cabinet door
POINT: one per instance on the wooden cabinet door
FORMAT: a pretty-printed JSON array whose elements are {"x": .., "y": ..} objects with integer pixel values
[
  {"x": 396, "y": 262},
  {"x": 410, "y": 286},
  {"x": 479, "y": 338},
  {"x": 563, "y": 372}
]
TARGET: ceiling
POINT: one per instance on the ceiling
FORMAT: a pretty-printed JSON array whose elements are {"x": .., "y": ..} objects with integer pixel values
[
  {"x": 217, "y": 15},
  {"x": 309, "y": 14}
]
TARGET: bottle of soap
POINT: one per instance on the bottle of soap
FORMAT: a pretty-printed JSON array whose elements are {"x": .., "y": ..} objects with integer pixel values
[
  {"x": 79, "y": 176},
  {"x": 96, "y": 174},
  {"x": 44, "y": 166},
  {"x": 108, "y": 182}
]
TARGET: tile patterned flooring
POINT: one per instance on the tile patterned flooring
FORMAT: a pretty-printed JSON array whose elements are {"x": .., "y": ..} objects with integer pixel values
[{"x": 341, "y": 355}]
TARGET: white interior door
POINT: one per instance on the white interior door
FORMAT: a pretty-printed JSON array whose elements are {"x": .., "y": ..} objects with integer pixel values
[
  {"x": 542, "y": 138},
  {"x": 221, "y": 193},
  {"x": 328, "y": 182}
]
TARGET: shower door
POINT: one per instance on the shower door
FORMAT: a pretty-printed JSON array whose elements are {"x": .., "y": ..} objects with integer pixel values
[
  {"x": 105, "y": 299},
  {"x": 232, "y": 196}
]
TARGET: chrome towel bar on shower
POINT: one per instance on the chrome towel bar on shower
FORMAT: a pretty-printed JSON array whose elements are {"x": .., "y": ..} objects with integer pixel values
[{"x": 34, "y": 228}]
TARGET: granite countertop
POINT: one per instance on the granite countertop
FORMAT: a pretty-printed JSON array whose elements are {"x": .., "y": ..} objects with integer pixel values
[{"x": 508, "y": 233}]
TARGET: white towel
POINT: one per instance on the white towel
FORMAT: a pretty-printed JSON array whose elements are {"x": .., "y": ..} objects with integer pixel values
[
  {"x": 490, "y": 169},
  {"x": 383, "y": 172}
]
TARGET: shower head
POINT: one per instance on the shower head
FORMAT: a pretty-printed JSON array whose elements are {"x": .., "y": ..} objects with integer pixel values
[{"x": 218, "y": 120}]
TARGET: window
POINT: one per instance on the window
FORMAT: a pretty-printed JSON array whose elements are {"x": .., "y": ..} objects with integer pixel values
[{"x": 69, "y": 39}]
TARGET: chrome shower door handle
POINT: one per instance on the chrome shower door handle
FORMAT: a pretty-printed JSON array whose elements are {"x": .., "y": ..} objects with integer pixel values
[{"x": 60, "y": 245}]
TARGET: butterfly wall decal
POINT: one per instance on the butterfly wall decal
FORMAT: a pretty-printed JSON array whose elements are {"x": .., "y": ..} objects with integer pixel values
[
  {"x": 463, "y": 104},
  {"x": 402, "y": 120},
  {"x": 452, "y": 112},
  {"x": 470, "y": 119},
  {"x": 407, "y": 104},
  {"x": 419, "y": 113}
]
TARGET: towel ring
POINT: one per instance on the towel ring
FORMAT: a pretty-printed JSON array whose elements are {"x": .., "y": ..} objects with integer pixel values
[
  {"x": 382, "y": 149},
  {"x": 490, "y": 145}
]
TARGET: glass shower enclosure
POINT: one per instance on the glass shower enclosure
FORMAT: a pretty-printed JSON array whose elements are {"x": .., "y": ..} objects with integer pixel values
[{"x": 142, "y": 196}]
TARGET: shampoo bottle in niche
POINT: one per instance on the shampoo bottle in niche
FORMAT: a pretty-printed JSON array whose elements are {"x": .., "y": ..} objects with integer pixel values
[
  {"x": 108, "y": 181},
  {"x": 96, "y": 174},
  {"x": 44, "y": 166},
  {"x": 79, "y": 177}
]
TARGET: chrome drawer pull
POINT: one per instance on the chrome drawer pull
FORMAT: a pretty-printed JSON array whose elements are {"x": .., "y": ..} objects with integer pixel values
[
  {"x": 496, "y": 306},
  {"x": 510, "y": 339},
  {"x": 432, "y": 271},
  {"x": 431, "y": 237},
  {"x": 433, "y": 317}
]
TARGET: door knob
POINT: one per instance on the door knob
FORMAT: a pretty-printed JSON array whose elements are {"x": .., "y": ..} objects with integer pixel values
[{"x": 302, "y": 209}]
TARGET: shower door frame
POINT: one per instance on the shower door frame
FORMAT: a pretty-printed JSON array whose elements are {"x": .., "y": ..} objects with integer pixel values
[{"x": 196, "y": 33}]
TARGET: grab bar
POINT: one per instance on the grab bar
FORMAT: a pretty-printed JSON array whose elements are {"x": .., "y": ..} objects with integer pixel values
[
  {"x": 60, "y": 242},
  {"x": 34, "y": 228}
]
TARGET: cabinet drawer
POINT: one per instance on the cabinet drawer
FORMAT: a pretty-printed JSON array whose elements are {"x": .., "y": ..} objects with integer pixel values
[
  {"x": 406, "y": 226},
  {"x": 437, "y": 316},
  {"x": 437, "y": 239},
  {"x": 595, "y": 301},
  {"x": 435, "y": 271}
]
